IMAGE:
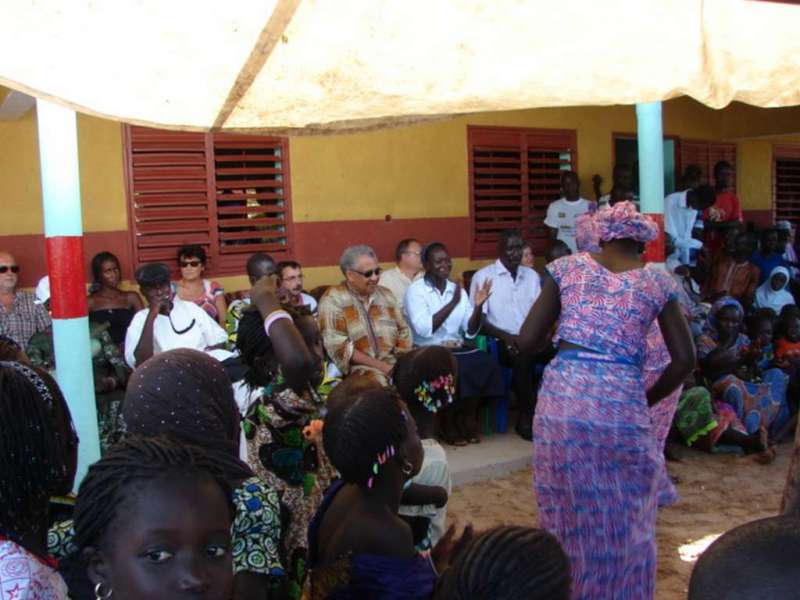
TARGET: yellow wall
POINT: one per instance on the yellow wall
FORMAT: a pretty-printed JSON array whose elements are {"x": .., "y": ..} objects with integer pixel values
[
  {"x": 421, "y": 171},
  {"x": 102, "y": 179}
]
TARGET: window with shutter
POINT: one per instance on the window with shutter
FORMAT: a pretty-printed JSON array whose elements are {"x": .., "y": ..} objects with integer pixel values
[
  {"x": 228, "y": 193},
  {"x": 786, "y": 183},
  {"x": 514, "y": 174},
  {"x": 706, "y": 154}
]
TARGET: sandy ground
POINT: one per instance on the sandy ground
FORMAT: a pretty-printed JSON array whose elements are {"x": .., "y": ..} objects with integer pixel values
[{"x": 718, "y": 492}]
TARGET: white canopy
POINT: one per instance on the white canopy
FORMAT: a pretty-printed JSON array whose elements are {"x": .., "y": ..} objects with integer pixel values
[{"x": 316, "y": 65}]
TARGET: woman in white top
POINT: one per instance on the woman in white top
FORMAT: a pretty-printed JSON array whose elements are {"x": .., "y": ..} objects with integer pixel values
[
  {"x": 773, "y": 293},
  {"x": 440, "y": 313}
]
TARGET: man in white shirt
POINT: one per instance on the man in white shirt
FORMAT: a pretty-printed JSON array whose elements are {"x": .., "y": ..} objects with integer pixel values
[
  {"x": 169, "y": 323},
  {"x": 290, "y": 279},
  {"x": 562, "y": 213},
  {"x": 408, "y": 269},
  {"x": 680, "y": 213},
  {"x": 514, "y": 290}
]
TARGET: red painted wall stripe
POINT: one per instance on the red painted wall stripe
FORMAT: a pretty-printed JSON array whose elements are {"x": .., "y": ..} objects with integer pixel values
[
  {"x": 654, "y": 251},
  {"x": 68, "y": 287}
]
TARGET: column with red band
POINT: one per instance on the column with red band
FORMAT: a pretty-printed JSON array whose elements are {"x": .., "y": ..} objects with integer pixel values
[
  {"x": 63, "y": 229},
  {"x": 650, "y": 141}
]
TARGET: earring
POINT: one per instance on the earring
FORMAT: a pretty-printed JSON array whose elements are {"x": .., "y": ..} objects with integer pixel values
[
  {"x": 407, "y": 468},
  {"x": 98, "y": 592}
]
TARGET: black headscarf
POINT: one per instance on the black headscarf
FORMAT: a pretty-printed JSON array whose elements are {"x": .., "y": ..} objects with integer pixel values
[{"x": 186, "y": 394}]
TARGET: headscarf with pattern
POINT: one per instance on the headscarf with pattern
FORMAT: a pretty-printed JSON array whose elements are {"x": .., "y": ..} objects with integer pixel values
[
  {"x": 623, "y": 221},
  {"x": 724, "y": 302},
  {"x": 186, "y": 394}
]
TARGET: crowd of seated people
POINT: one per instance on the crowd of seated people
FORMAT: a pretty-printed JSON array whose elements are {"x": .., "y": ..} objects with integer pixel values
[{"x": 304, "y": 428}]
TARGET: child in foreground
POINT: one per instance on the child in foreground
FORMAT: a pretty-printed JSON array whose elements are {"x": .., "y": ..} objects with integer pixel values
[
  {"x": 358, "y": 546},
  {"x": 425, "y": 378},
  {"x": 153, "y": 520}
]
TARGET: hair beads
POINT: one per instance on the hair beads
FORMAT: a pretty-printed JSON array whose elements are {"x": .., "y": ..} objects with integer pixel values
[{"x": 382, "y": 459}]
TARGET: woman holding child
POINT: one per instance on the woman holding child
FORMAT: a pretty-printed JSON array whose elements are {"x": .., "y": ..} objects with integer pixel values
[{"x": 729, "y": 361}]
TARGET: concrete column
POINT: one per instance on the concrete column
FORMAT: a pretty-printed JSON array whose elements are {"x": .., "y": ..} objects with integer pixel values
[
  {"x": 63, "y": 229},
  {"x": 651, "y": 172}
]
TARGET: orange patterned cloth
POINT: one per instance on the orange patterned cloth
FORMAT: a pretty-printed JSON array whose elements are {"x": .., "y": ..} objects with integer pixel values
[
  {"x": 786, "y": 349},
  {"x": 374, "y": 326}
]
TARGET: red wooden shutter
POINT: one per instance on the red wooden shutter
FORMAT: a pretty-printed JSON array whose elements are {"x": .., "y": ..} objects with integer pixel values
[
  {"x": 167, "y": 180},
  {"x": 548, "y": 154},
  {"x": 496, "y": 186},
  {"x": 228, "y": 193},
  {"x": 706, "y": 154},
  {"x": 514, "y": 174},
  {"x": 251, "y": 184},
  {"x": 786, "y": 183}
]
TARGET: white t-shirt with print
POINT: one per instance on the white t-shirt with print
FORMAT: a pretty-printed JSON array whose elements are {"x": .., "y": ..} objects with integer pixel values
[{"x": 561, "y": 215}]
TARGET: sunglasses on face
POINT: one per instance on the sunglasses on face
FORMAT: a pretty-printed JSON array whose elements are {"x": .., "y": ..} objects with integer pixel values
[
  {"x": 190, "y": 263},
  {"x": 7, "y": 268},
  {"x": 376, "y": 271}
]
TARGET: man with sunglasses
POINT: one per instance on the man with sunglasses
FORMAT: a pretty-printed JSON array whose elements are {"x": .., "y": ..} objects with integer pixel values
[
  {"x": 21, "y": 316},
  {"x": 169, "y": 323},
  {"x": 362, "y": 327}
]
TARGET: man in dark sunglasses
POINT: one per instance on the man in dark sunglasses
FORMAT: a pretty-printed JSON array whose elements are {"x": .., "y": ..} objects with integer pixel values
[
  {"x": 362, "y": 326},
  {"x": 169, "y": 323},
  {"x": 20, "y": 316}
]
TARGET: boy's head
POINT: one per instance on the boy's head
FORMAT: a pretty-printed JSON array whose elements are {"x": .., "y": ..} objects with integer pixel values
[
  {"x": 558, "y": 249},
  {"x": 744, "y": 246},
  {"x": 760, "y": 327},
  {"x": 792, "y": 329},
  {"x": 753, "y": 561}
]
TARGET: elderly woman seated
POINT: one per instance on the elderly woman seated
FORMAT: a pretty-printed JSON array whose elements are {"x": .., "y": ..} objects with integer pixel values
[{"x": 363, "y": 330}]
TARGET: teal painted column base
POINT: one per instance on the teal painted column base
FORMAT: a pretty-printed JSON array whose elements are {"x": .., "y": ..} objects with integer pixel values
[{"x": 74, "y": 375}]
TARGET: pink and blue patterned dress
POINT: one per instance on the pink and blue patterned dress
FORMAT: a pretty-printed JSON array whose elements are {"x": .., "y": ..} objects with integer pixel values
[
  {"x": 597, "y": 464},
  {"x": 656, "y": 361}
]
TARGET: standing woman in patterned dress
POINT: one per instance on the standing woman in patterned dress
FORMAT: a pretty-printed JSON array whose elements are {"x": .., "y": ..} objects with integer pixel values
[{"x": 596, "y": 461}]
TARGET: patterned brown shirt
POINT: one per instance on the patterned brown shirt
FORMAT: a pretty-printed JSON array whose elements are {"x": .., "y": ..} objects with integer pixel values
[
  {"x": 375, "y": 327},
  {"x": 24, "y": 319}
]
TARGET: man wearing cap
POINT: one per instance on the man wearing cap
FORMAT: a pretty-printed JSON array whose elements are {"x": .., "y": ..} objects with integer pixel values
[
  {"x": 20, "y": 315},
  {"x": 169, "y": 323}
]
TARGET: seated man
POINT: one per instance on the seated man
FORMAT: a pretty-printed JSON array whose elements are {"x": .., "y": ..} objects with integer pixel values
[
  {"x": 734, "y": 275},
  {"x": 21, "y": 316},
  {"x": 290, "y": 279},
  {"x": 169, "y": 323},
  {"x": 363, "y": 330},
  {"x": 259, "y": 265},
  {"x": 514, "y": 290},
  {"x": 409, "y": 268}
]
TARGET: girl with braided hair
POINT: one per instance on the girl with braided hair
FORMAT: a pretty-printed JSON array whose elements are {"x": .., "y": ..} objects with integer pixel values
[
  {"x": 506, "y": 563},
  {"x": 426, "y": 380},
  {"x": 38, "y": 456},
  {"x": 185, "y": 394},
  {"x": 153, "y": 520},
  {"x": 358, "y": 546},
  {"x": 282, "y": 403}
]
